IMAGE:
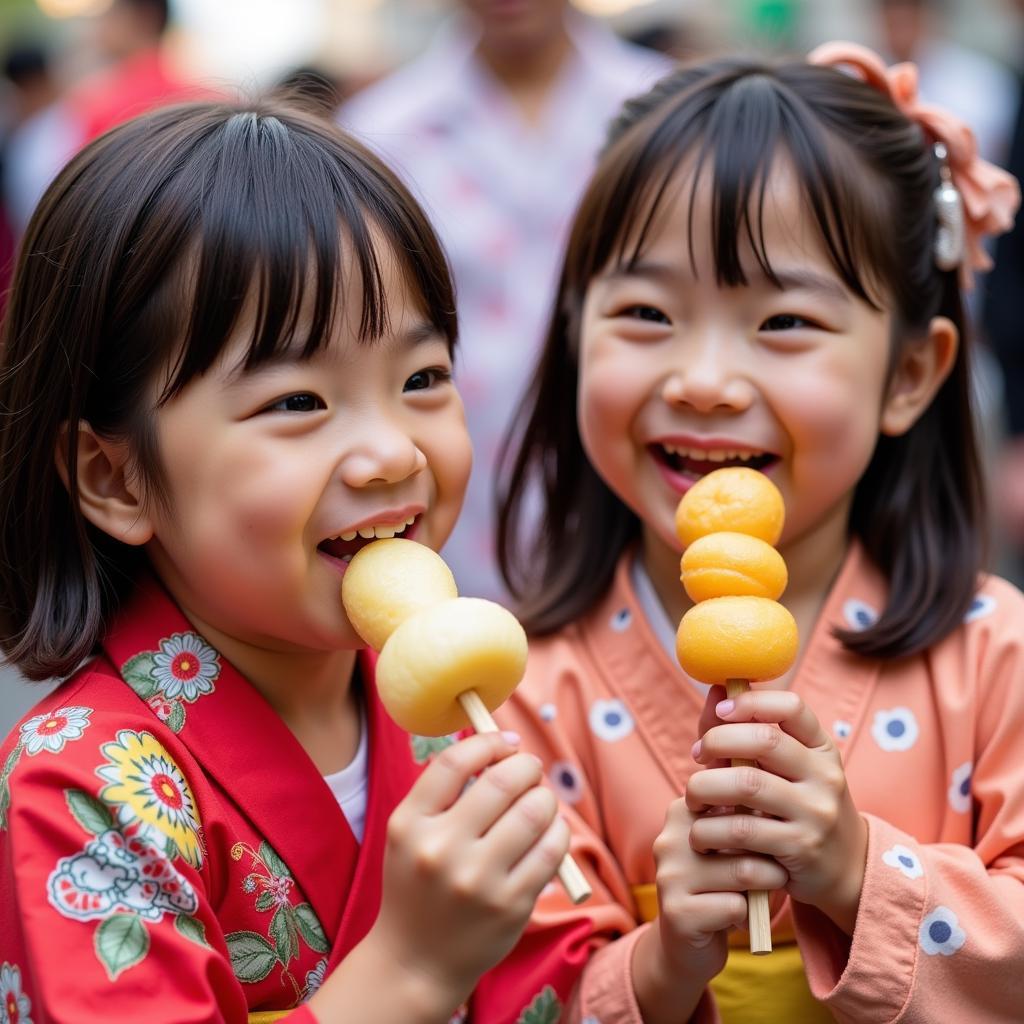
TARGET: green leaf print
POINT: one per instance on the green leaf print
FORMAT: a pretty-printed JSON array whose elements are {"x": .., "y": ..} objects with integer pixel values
[
  {"x": 191, "y": 929},
  {"x": 425, "y": 747},
  {"x": 265, "y": 900},
  {"x": 121, "y": 942},
  {"x": 137, "y": 672},
  {"x": 252, "y": 957},
  {"x": 272, "y": 861},
  {"x": 545, "y": 1008},
  {"x": 310, "y": 928},
  {"x": 176, "y": 719},
  {"x": 92, "y": 814},
  {"x": 284, "y": 936}
]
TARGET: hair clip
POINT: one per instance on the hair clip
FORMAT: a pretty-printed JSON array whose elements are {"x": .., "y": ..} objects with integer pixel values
[{"x": 950, "y": 236}]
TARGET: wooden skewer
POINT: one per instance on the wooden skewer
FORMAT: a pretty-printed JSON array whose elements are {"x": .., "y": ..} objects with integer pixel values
[
  {"x": 759, "y": 918},
  {"x": 569, "y": 874}
]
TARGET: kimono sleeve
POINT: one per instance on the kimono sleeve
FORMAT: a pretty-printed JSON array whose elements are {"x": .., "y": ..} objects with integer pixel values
[
  {"x": 940, "y": 929},
  {"x": 105, "y": 913},
  {"x": 572, "y": 960}
]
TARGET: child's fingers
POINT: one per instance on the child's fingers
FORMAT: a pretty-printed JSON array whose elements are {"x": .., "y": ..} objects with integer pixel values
[
  {"x": 725, "y": 872},
  {"x": 774, "y": 750},
  {"x": 745, "y": 832},
  {"x": 445, "y": 778},
  {"x": 704, "y": 915},
  {"x": 520, "y": 825},
  {"x": 742, "y": 787},
  {"x": 783, "y": 707},
  {"x": 538, "y": 864},
  {"x": 496, "y": 790},
  {"x": 708, "y": 716}
]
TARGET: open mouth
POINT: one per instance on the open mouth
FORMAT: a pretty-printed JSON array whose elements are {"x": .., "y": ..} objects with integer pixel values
[
  {"x": 343, "y": 547},
  {"x": 695, "y": 463}
]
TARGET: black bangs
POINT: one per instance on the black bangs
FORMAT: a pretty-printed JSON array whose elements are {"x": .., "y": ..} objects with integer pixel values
[
  {"x": 271, "y": 211},
  {"x": 731, "y": 139}
]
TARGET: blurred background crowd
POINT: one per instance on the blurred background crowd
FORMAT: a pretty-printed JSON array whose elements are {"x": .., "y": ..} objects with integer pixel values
[{"x": 492, "y": 111}]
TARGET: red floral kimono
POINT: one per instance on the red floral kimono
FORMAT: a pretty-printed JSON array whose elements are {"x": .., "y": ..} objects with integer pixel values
[{"x": 169, "y": 852}]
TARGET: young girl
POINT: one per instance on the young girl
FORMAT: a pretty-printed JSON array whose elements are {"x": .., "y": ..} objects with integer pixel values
[
  {"x": 226, "y": 366},
  {"x": 762, "y": 274}
]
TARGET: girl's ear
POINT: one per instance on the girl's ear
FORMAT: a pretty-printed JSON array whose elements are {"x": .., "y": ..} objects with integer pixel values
[
  {"x": 922, "y": 367},
  {"x": 107, "y": 495}
]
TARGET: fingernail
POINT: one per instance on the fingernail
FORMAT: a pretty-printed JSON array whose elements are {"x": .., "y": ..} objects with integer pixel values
[
  {"x": 513, "y": 739},
  {"x": 695, "y": 750},
  {"x": 725, "y": 707}
]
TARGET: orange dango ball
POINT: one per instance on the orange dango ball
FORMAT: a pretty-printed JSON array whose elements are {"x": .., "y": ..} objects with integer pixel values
[
  {"x": 732, "y": 564},
  {"x": 734, "y": 498},
  {"x": 752, "y": 638}
]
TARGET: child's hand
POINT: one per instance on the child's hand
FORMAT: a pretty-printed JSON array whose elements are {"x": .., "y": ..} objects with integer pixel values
[
  {"x": 700, "y": 897},
  {"x": 464, "y": 866},
  {"x": 813, "y": 829}
]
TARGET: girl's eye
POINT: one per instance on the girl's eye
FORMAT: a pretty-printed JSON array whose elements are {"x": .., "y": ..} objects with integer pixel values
[
  {"x": 423, "y": 380},
  {"x": 649, "y": 313},
  {"x": 786, "y": 322},
  {"x": 304, "y": 401}
]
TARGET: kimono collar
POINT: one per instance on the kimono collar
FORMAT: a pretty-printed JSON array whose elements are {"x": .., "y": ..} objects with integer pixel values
[{"x": 242, "y": 743}]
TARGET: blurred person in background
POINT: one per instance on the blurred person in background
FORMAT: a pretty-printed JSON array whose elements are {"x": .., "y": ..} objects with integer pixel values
[
  {"x": 128, "y": 37},
  {"x": 496, "y": 128},
  {"x": 1002, "y": 310},
  {"x": 972, "y": 85},
  {"x": 39, "y": 135}
]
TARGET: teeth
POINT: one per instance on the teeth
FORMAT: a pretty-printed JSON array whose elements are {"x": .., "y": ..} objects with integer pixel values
[
  {"x": 346, "y": 558},
  {"x": 377, "y": 531},
  {"x": 712, "y": 454}
]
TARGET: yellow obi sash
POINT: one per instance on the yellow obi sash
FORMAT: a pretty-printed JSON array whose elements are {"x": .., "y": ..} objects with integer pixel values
[
  {"x": 754, "y": 989},
  {"x": 267, "y": 1016}
]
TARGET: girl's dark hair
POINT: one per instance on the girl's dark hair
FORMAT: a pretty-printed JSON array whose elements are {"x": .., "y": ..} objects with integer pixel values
[
  {"x": 144, "y": 256},
  {"x": 867, "y": 175}
]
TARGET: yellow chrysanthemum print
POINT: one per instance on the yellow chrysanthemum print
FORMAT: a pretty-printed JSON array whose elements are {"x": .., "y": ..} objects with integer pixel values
[{"x": 148, "y": 786}]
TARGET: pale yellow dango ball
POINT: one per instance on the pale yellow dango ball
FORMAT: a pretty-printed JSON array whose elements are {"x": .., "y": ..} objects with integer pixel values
[
  {"x": 750, "y": 638},
  {"x": 733, "y": 498},
  {"x": 462, "y": 644},
  {"x": 389, "y": 580},
  {"x": 728, "y": 564}
]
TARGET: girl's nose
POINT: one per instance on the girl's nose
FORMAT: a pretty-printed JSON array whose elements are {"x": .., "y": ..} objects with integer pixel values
[
  {"x": 707, "y": 379},
  {"x": 383, "y": 454}
]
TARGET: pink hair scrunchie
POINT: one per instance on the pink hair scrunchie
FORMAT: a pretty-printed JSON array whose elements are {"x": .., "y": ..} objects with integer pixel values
[{"x": 991, "y": 196}]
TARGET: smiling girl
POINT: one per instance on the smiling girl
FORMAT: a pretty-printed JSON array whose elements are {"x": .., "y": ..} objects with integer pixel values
[
  {"x": 766, "y": 271},
  {"x": 226, "y": 366}
]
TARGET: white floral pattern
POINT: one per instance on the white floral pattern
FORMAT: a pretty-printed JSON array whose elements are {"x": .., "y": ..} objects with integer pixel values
[
  {"x": 314, "y": 979},
  {"x": 959, "y": 791},
  {"x": 895, "y": 729},
  {"x": 186, "y": 666},
  {"x": 566, "y": 781},
  {"x": 621, "y": 620},
  {"x": 859, "y": 615},
  {"x": 904, "y": 860},
  {"x": 548, "y": 712},
  {"x": 51, "y": 731},
  {"x": 15, "y": 1006},
  {"x": 981, "y": 607},
  {"x": 119, "y": 871},
  {"x": 610, "y": 720},
  {"x": 842, "y": 728},
  {"x": 941, "y": 934}
]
